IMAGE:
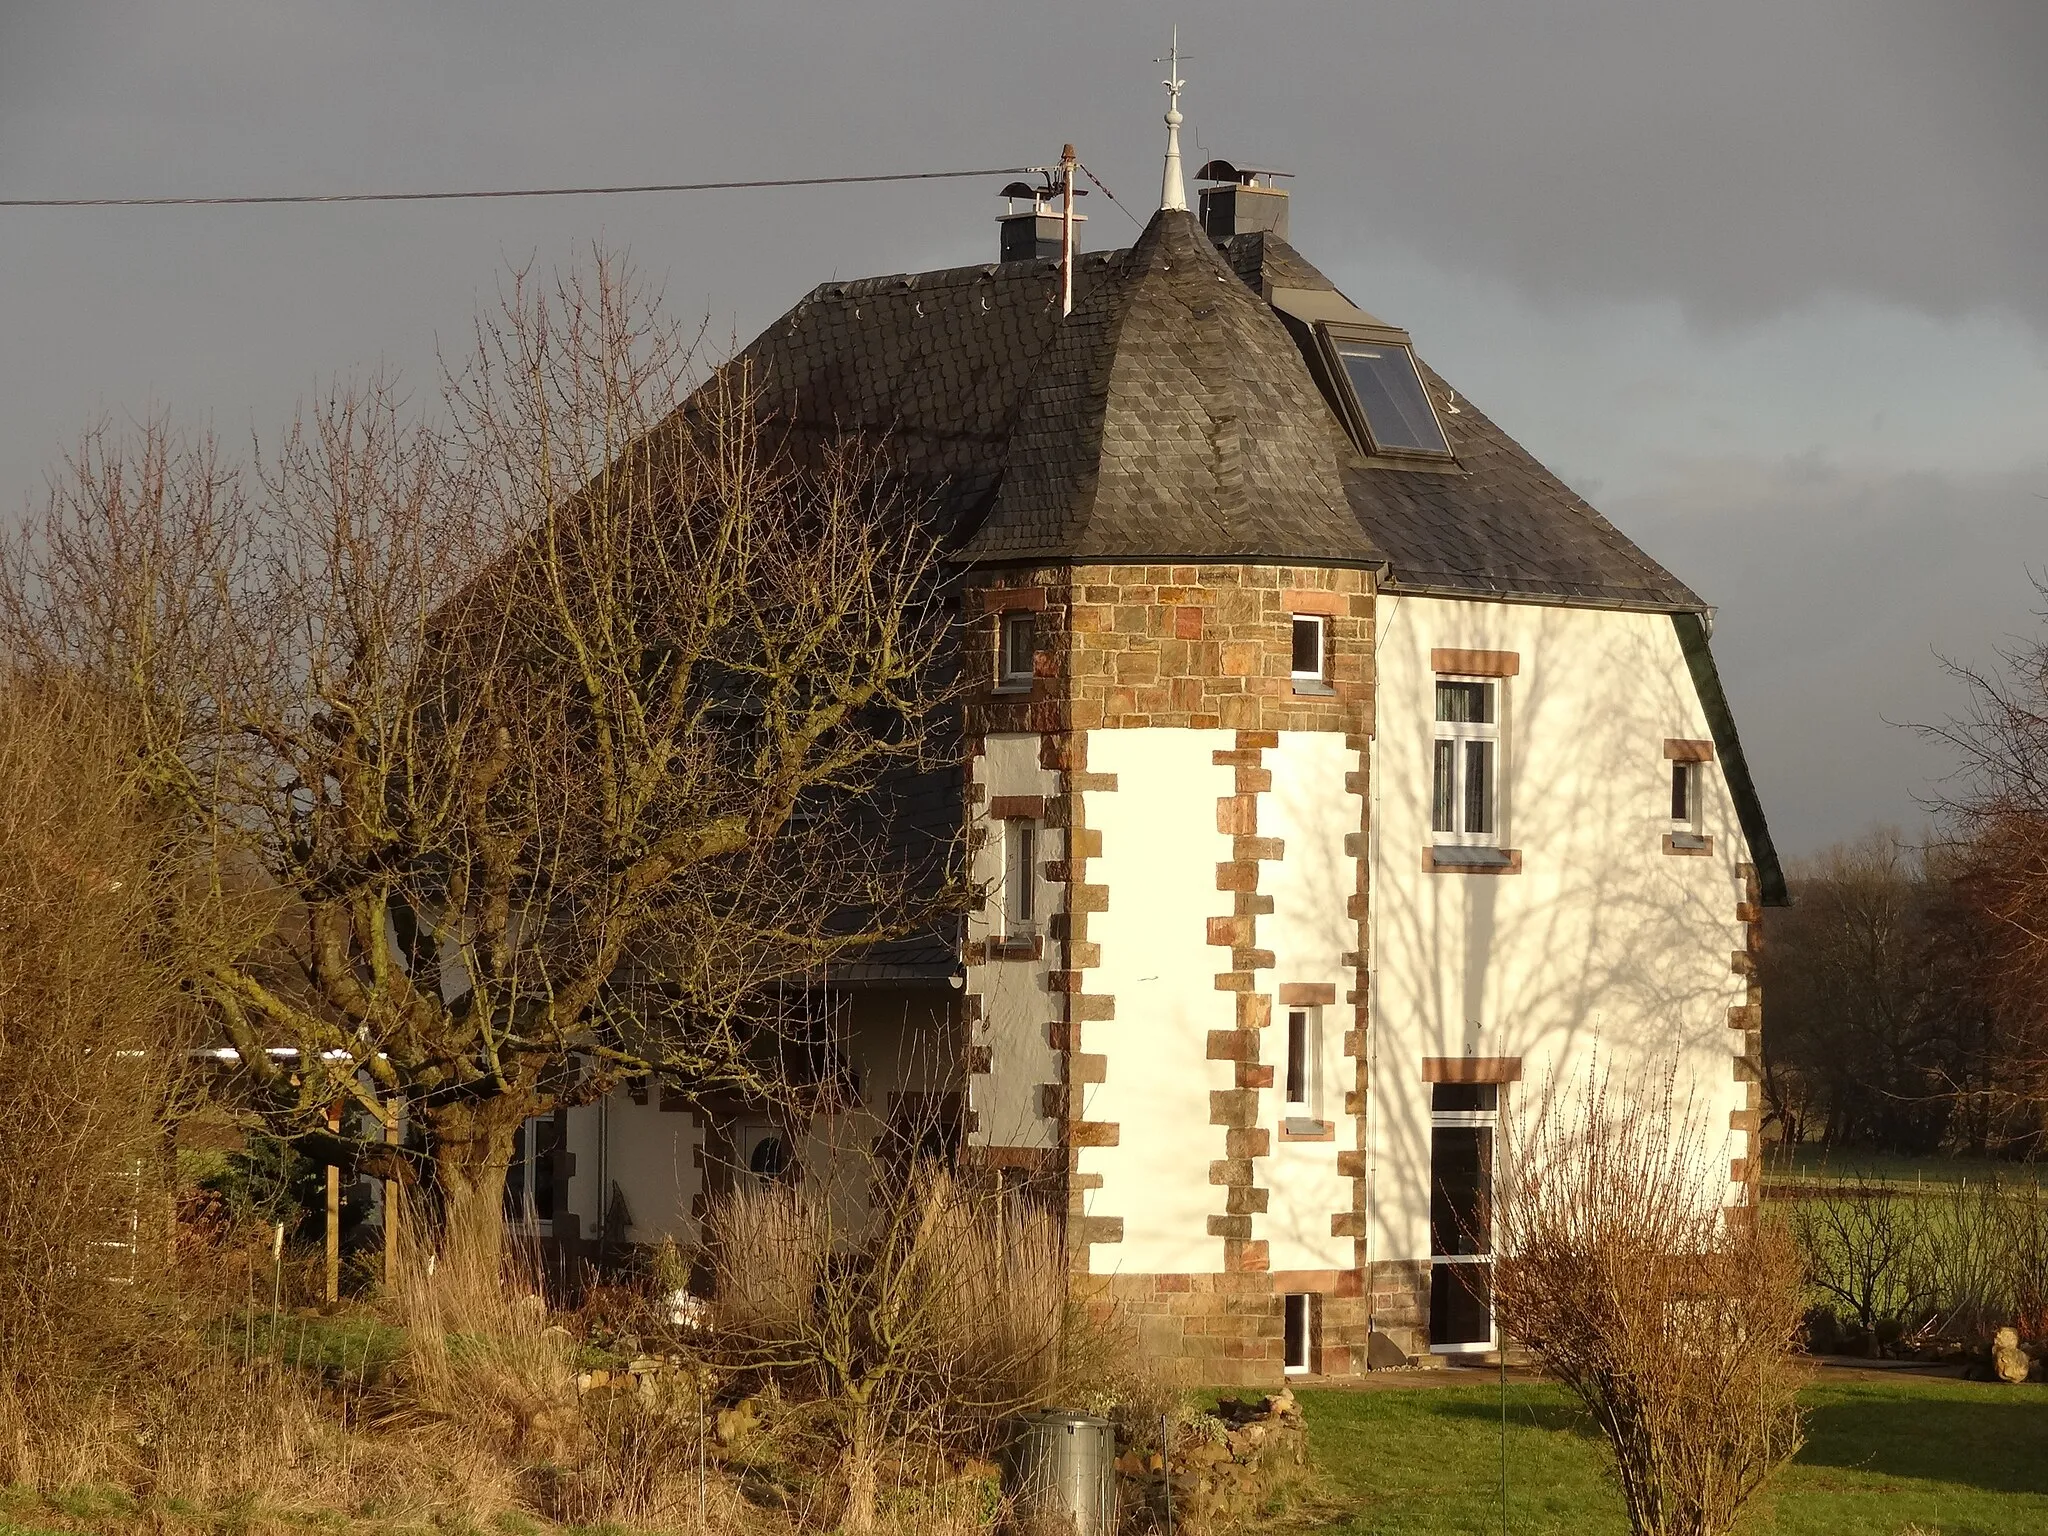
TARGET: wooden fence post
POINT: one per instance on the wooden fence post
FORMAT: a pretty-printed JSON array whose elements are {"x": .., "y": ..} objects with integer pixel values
[{"x": 334, "y": 1213}]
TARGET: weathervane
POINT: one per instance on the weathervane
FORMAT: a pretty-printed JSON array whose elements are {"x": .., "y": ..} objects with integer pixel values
[{"x": 1172, "y": 192}]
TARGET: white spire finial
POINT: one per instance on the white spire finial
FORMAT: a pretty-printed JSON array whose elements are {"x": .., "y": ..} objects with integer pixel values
[{"x": 1172, "y": 192}]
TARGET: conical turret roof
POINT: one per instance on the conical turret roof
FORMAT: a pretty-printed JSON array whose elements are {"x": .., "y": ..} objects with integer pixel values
[{"x": 1172, "y": 417}]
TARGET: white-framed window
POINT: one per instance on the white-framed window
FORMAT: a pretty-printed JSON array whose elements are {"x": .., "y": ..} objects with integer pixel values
[
  {"x": 1465, "y": 766},
  {"x": 1463, "y": 1120},
  {"x": 1687, "y": 811},
  {"x": 1310, "y": 641},
  {"x": 1016, "y": 649},
  {"x": 530, "y": 1178},
  {"x": 1302, "y": 1087},
  {"x": 1019, "y": 907},
  {"x": 1298, "y": 1316}
]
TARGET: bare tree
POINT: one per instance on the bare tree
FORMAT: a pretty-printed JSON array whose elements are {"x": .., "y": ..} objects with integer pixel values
[
  {"x": 1996, "y": 804},
  {"x": 1669, "y": 1318},
  {"x": 541, "y": 737},
  {"x": 1868, "y": 1036}
]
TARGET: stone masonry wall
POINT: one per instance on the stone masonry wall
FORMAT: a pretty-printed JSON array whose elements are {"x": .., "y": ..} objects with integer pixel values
[{"x": 1203, "y": 648}]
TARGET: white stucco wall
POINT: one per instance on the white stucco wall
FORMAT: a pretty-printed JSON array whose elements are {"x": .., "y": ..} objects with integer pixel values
[
  {"x": 1309, "y": 931},
  {"x": 1160, "y": 849},
  {"x": 1016, "y": 1010},
  {"x": 1603, "y": 945},
  {"x": 648, "y": 1153}
]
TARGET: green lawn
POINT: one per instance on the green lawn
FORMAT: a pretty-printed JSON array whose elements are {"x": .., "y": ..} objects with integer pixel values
[
  {"x": 1806, "y": 1163},
  {"x": 1958, "y": 1458}
]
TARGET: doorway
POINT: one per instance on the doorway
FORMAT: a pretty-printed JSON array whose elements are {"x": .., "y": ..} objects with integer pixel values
[{"x": 1464, "y": 1120}]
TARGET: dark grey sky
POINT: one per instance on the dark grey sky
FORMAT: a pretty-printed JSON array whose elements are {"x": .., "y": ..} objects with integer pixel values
[{"x": 1763, "y": 278}]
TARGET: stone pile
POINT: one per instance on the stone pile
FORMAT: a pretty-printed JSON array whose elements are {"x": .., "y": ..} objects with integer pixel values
[{"x": 1222, "y": 1466}]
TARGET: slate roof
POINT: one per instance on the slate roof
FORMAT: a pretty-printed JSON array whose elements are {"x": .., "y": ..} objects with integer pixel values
[
  {"x": 1505, "y": 526},
  {"x": 1173, "y": 414}
]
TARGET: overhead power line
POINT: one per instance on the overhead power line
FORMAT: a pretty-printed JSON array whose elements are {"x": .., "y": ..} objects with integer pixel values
[
  {"x": 445, "y": 197},
  {"x": 1109, "y": 194}
]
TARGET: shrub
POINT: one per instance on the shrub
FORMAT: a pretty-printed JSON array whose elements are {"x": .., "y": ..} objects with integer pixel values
[
  {"x": 1863, "y": 1246},
  {"x": 926, "y": 1323},
  {"x": 1670, "y": 1320}
]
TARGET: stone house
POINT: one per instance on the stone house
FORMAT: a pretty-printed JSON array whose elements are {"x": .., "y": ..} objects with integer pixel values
[{"x": 1337, "y": 776}]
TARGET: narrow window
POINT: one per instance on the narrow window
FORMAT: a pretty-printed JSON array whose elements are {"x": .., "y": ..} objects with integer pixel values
[
  {"x": 1465, "y": 768},
  {"x": 1020, "y": 851},
  {"x": 518, "y": 1176},
  {"x": 1299, "y": 1324},
  {"x": 1308, "y": 648},
  {"x": 1687, "y": 825},
  {"x": 545, "y": 1134},
  {"x": 1303, "y": 1044},
  {"x": 1016, "y": 650}
]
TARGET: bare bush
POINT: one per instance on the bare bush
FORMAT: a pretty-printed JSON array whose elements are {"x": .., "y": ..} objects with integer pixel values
[
  {"x": 917, "y": 1325},
  {"x": 1984, "y": 1258},
  {"x": 1864, "y": 1245},
  {"x": 1671, "y": 1320},
  {"x": 93, "y": 1026}
]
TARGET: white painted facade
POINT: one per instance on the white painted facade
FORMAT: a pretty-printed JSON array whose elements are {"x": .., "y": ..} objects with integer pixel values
[
  {"x": 1601, "y": 948},
  {"x": 1603, "y": 945}
]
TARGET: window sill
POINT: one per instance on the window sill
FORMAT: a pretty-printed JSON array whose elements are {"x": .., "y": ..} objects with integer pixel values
[
  {"x": 1032, "y": 948},
  {"x": 1013, "y": 690},
  {"x": 1308, "y": 1130},
  {"x": 1688, "y": 844},
  {"x": 1314, "y": 688},
  {"x": 1471, "y": 861}
]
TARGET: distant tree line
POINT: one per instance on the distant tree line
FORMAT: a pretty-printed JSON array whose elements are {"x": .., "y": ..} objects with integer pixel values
[{"x": 1906, "y": 987}]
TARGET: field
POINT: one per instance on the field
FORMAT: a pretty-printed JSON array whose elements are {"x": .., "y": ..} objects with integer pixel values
[
  {"x": 1807, "y": 1164},
  {"x": 1882, "y": 1458}
]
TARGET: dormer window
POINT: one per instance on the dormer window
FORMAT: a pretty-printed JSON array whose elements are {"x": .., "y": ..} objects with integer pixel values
[{"x": 1390, "y": 410}]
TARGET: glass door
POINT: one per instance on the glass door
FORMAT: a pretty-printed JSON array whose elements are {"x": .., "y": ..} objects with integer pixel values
[{"x": 1463, "y": 1121}]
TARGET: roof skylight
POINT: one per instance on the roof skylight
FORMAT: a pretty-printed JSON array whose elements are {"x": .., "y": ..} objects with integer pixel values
[{"x": 1388, "y": 390}]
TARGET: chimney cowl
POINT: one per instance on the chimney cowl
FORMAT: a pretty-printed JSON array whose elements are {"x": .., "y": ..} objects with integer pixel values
[
  {"x": 1235, "y": 202},
  {"x": 1032, "y": 233}
]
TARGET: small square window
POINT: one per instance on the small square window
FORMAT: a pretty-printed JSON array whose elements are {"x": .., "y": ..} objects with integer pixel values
[
  {"x": 1685, "y": 793},
  {"x": 1308, "y": 648},
  {"x": 1016, "y": 651},
  {"x": 1688, "y": 823}
]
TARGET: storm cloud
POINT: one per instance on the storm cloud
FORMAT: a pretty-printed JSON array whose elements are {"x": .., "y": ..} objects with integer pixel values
[{"x": 1764, "y": 280}]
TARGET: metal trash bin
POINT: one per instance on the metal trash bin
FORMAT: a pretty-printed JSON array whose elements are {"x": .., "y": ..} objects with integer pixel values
[{"x": 1059, "y": 1473}]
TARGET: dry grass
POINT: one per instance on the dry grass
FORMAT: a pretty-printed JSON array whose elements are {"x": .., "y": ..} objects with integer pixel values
[{"x": 903, "y": 1335}]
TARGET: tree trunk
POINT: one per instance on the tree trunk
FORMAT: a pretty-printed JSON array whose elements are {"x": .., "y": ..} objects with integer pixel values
[
  {"x": 857, "y": 1470},
  {"x": 469, "y": 1145}
]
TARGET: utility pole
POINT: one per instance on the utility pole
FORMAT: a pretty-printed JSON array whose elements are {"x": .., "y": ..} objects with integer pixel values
[{"x": 1067, "y": 160}]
